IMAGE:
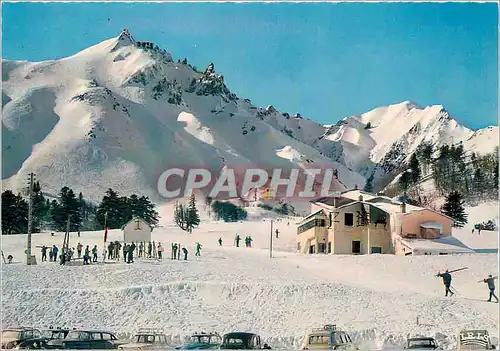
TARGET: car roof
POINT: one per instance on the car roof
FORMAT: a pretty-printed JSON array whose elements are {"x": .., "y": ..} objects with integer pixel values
[
  {"x": 239, "y": 334},
  {"x": 92, "y": 331}
]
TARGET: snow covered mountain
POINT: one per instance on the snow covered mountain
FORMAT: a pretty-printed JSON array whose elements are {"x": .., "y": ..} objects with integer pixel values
[{"x": 121, "y": 112}]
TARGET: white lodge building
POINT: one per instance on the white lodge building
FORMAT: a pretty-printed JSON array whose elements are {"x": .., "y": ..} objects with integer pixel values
[
  {"x": 358, "y": 222},
  {"x": 136, "y": 230}
]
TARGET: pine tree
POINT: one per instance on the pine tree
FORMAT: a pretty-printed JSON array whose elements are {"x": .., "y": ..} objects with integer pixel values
[
  {"x": 415, "y": 168},
  {"x": 116, "y": 207},
  {"x": 67, "y": 206},
  {"x": 180, "y": 216},
  {"x": 369, "y": 184},
  {"x": 40, "y": 208},
  {"x": 14, "y": 213},
  {"x": 193, "y": 219},
  {"x": 405, "y": 180},
  {"x": 454, "y": 208}
]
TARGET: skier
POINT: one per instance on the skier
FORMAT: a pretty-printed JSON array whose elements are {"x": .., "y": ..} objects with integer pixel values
[
  {"x": 220, "y": 241},
  {"x": 118, "y": 247},
  {"x": 44, "y": 253},
  {"x": 125, "y": 248},
  {"x": 141, "y": 248},
  {"x": 266, "y": 347},
  {"x": 237, "y": 240},
  {"x": 179, "y": 251},
  {"x": 277, "y": 233},
  {"x": 10, "y": 258},
  {"x": 55, "y": 250},
  {"x": 250, "y": 241},
  {"x": 150, "y": 248},
  {"x": 94, "y": 253},
  {"x": 472, "y": 231},
  {"x": 174, "y": 251},
  {"x": 491, "y": 285},
  {"x": 111, "y": 250},
  {"x": 130, "y": 251},
  {"x": 185, "y": 251},
  {"x": 86, "y": 256},
  {"x": 154, "y": 250},
  {"x": 79, "y": 250},
  {"x": 447, "y": 282},
  {"x": 198, "y": 248},
  {"x": 51, "y": 255},
  {"x": 160, "y": 251}
]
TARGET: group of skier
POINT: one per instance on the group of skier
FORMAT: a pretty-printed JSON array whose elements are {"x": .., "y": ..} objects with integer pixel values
[
  {"x": 446, "y": 276},
  {"x": 52, "y": 253},
  {"x": 237, "y": 239}
]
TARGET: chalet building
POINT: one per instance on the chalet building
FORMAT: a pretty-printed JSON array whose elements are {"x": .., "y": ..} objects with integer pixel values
[
  {"x": 358, "y": 222},
  {"x": 136, "y": 230}
]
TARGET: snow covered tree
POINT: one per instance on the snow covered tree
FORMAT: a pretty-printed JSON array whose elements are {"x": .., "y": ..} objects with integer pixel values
[
  {"x": 193, "y": 219},
  {"x": 228, "y": 212},
  {"x": 14, "y": 213},
  {"x": 454, "y": 208},
  {"x": 180, "y": 216}
]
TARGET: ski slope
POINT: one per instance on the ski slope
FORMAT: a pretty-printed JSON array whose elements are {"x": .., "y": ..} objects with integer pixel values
[{"x": 376, "y": 298}]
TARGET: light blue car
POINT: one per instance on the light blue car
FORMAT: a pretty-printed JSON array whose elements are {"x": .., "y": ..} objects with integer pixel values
[{"x": 202, "y": 341}]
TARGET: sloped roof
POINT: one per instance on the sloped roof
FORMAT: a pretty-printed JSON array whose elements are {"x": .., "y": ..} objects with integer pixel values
[
  {"x": 444, "y": 245},
  {"x": 134, "y": 219},
  {"x": 312, "y": 215}
]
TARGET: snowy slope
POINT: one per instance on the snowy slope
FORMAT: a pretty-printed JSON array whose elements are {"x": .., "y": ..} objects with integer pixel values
[
  {"x": 118, "y": 114},
  {"x": 376, "y": 298}
]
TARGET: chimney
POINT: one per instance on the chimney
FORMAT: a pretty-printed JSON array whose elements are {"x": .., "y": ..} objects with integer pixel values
[
  {"x": 360, "y": 198},
  {"x": 403, "y": 207}
]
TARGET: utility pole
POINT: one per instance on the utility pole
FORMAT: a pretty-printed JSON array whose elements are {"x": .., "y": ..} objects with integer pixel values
[
  {"x": 30, "y": 219},
  {"x": 271, "y": 241}
]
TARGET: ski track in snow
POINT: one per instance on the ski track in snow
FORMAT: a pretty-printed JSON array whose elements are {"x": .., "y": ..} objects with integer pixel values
[{"x": 376, "y": 298}]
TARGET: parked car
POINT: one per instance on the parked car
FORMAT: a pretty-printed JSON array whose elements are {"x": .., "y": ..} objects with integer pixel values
[
  {"x": 86, "y": 339},
  {"x": 327, "y": 338},
  {"x": 147, "y": 339},
  {"x": 14, "y": 336},
  {"x": 241, "y": 341},
  {"x": 475, "y": 340},
  {"x": 422, "y": 343},
  {"x": 202, "y": 341},
  {"x": 39, "y": 343}
]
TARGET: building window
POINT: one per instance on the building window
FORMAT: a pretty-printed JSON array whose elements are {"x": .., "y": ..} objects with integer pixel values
[
  {"x": 298, "y": 246},
  {"x": 356, "y": 247},
  {"x": 348, "y": 219},
  {"x": 137, "y": 224},
  {"x": 322, "y": 247},
  {"x": 311, "y": 224},
  {"x": 376, "y": 250},
  {"x": 329, "y": 247}
]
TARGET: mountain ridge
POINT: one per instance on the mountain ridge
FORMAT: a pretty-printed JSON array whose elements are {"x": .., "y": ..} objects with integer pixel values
[{"x": 130, "y": 101}]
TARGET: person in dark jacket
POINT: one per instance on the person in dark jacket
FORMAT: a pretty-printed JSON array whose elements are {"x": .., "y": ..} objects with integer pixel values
[
  {"x": 220, "y": 241},
  {"x": 174, "y": 251},
  {"x": 150, "y": 249},
  {"x": 491, "y": 285},
  {"x": 131, "y": 250},
  {"x": 237, "y": 240},
  {"x": 55, "y": 250},
  {"x": 44, "y": 253},
  {"x": 447, "y": 282},
  {"x": 86, "y": 255},
  {"x": 185, "y": 251},
  {"x": 125, "y": 248},
  {"x": 111, "y": 249},
  {"x": 94, "y": 253}
]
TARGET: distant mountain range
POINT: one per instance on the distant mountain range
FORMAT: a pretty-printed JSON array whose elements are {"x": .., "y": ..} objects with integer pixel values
[{"x": 119, "y": 113}]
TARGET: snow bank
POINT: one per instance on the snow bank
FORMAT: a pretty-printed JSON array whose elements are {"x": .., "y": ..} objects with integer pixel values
[{"x": 376, "y": 298}]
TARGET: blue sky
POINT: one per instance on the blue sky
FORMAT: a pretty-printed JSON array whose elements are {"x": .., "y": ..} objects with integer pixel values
[{"x": 323, "y": 60}]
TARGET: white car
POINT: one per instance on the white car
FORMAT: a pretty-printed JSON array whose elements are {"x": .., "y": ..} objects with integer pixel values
[{"x": 147, "y": 339}]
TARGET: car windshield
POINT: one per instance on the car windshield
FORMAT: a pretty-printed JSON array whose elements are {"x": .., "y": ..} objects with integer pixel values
[
  {"x": 146, "y": 338},
  {"x": 421, "y": 342},
  {"x": 10, "y": 334},
  {"x": 320, "y": 340},
  {"x": 235, "y": 341}
]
